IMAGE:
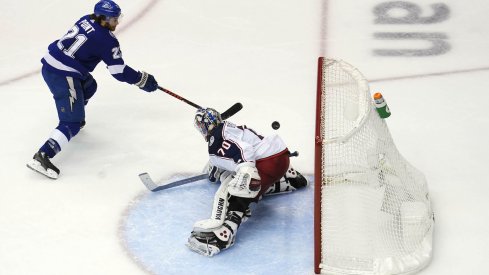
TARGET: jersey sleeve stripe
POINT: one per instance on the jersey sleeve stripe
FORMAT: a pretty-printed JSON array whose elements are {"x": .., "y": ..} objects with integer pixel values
[{"x": 116, "y": 69}]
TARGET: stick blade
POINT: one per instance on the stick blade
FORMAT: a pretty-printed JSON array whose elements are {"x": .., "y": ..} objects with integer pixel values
[
  {"x": 147, "y": 181},
  {"x": 231, "y": 111},
  {"x": 155, "y": 187}
]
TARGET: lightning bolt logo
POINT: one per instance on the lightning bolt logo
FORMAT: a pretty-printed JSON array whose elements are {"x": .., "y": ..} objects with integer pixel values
[{"x": 72, "y": 91}]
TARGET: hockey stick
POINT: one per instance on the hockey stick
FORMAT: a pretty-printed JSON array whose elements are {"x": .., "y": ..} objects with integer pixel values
[
  {"x": 153, "y": 187},
  {"x": 179, "y": 97},
  {"x": 225, "y": 115},
  {"x": 231, "y": 111}
]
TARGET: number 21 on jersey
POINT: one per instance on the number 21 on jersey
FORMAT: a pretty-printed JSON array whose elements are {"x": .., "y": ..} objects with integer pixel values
[{"x": 79, "y": 40}]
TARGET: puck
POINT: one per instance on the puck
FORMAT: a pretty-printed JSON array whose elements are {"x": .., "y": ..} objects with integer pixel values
[{"x": 275, "y": 125}]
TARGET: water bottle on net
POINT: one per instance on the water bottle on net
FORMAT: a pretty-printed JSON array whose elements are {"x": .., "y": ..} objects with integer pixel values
[{"x": 381, "y": 106}]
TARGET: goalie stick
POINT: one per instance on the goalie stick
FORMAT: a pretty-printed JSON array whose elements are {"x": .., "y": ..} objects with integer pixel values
[
  {"x": 231, "y": 111},
  {"x": 154, "y": 187}
]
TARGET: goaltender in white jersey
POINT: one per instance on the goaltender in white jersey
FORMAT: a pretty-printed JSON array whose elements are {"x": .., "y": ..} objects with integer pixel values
[
  {"x": 248, "y": 165},
  {"x": 232, "y": 145}
]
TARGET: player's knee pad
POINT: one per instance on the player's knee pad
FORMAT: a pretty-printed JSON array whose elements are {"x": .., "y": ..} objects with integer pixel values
[
  {"x": 69, "y": 129},
  {"x": 89, "y": 86}
]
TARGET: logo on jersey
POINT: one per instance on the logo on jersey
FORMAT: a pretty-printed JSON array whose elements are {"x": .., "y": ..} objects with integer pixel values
[
  {"x": 71, "y": 88},
  {"x": 107, "y": 5},
  {"x": 211, "y": 141}
]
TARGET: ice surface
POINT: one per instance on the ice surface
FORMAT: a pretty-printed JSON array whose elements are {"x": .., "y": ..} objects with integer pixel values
[
  {"x": 157, "y": 226},
  {"x": 215, "y": 53}
]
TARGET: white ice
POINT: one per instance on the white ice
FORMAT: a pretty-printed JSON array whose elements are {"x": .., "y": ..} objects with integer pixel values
[{"x": 98, "y": 218}]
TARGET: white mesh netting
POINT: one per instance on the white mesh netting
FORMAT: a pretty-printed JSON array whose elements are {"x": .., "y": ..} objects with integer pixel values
[{"x": 376, "y": 216}]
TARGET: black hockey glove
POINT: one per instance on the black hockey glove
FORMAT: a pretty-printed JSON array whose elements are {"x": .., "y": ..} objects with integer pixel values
[{"x": 147, "y": 82}]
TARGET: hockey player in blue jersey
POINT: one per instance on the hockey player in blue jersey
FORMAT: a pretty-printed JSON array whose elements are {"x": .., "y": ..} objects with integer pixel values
[
  {"x": 248, "y": 165},
  {"x": 66, "y": 71}
]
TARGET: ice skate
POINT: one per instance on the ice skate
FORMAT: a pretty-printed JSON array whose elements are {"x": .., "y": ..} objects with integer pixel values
[
  {"x": 296, "y": 179},
  {"x": 211, "y": 243},
  {"x": 291, "y": 181},
  {"x": 41, "y": 163}
]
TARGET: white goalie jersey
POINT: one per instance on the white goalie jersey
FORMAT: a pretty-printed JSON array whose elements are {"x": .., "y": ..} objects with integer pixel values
[{"x": 230, "y": 145}]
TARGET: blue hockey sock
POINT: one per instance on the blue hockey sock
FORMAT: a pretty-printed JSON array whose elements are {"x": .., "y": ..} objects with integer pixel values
[
  {"x": 50, "y": 147},
  {"x": 60, "y": 137}
]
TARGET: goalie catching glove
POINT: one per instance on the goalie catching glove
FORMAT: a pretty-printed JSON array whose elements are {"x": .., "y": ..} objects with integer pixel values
[{"x": 247, "y": 182}]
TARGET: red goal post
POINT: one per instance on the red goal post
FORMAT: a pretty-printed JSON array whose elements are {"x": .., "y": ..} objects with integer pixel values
[{"x": 318, "y": 169}]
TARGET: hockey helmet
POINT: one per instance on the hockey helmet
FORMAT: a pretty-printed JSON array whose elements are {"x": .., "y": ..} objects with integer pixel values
[
  {"x": 206, "y": 119},
  {"x": 107, "y": 8}
]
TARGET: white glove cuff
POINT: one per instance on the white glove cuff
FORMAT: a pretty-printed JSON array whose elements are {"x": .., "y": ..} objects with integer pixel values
[{"x": 142, "y": 81}]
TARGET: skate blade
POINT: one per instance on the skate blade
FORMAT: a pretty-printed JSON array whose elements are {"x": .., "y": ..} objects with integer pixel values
[
  {"x": 36, "y": 166},
  {"x": 201, "y": 248}
]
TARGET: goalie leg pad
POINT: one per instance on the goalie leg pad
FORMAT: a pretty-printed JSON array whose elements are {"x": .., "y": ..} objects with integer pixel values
[
  {"x": 206, "y": 226},
  {"x": 219, "y": 210},
  {"x": 246, "y": 183},
  {"x": 220, "y": 206}
]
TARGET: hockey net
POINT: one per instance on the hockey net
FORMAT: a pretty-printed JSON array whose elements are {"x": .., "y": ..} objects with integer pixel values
[{"x": 372, "y": 208}]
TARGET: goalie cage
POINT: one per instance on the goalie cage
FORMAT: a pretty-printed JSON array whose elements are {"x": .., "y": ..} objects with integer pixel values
[{"x": 372, "y": 208}]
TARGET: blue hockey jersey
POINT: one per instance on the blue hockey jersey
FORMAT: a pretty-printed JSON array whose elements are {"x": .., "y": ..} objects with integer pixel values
[{"x": 79, "y": 51}]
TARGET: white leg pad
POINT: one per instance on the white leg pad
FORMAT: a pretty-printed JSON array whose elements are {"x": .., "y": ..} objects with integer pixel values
[
  {"x": 207, "y": 225},
  {"x": 219, "y": 210}
]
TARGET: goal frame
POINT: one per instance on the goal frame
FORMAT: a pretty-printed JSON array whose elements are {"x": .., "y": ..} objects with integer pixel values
[
  {"x": 318, "y": 169},
  {"x": 406, "y": 217}
]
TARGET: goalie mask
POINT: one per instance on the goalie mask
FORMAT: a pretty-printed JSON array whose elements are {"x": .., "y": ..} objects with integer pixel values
[{"x": 206, "y": 120}]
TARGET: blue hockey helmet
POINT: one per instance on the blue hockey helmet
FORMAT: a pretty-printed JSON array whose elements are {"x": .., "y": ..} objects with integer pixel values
[
  {"x": 206, "y": 120},
  {"x": 107, "y": 8}
]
